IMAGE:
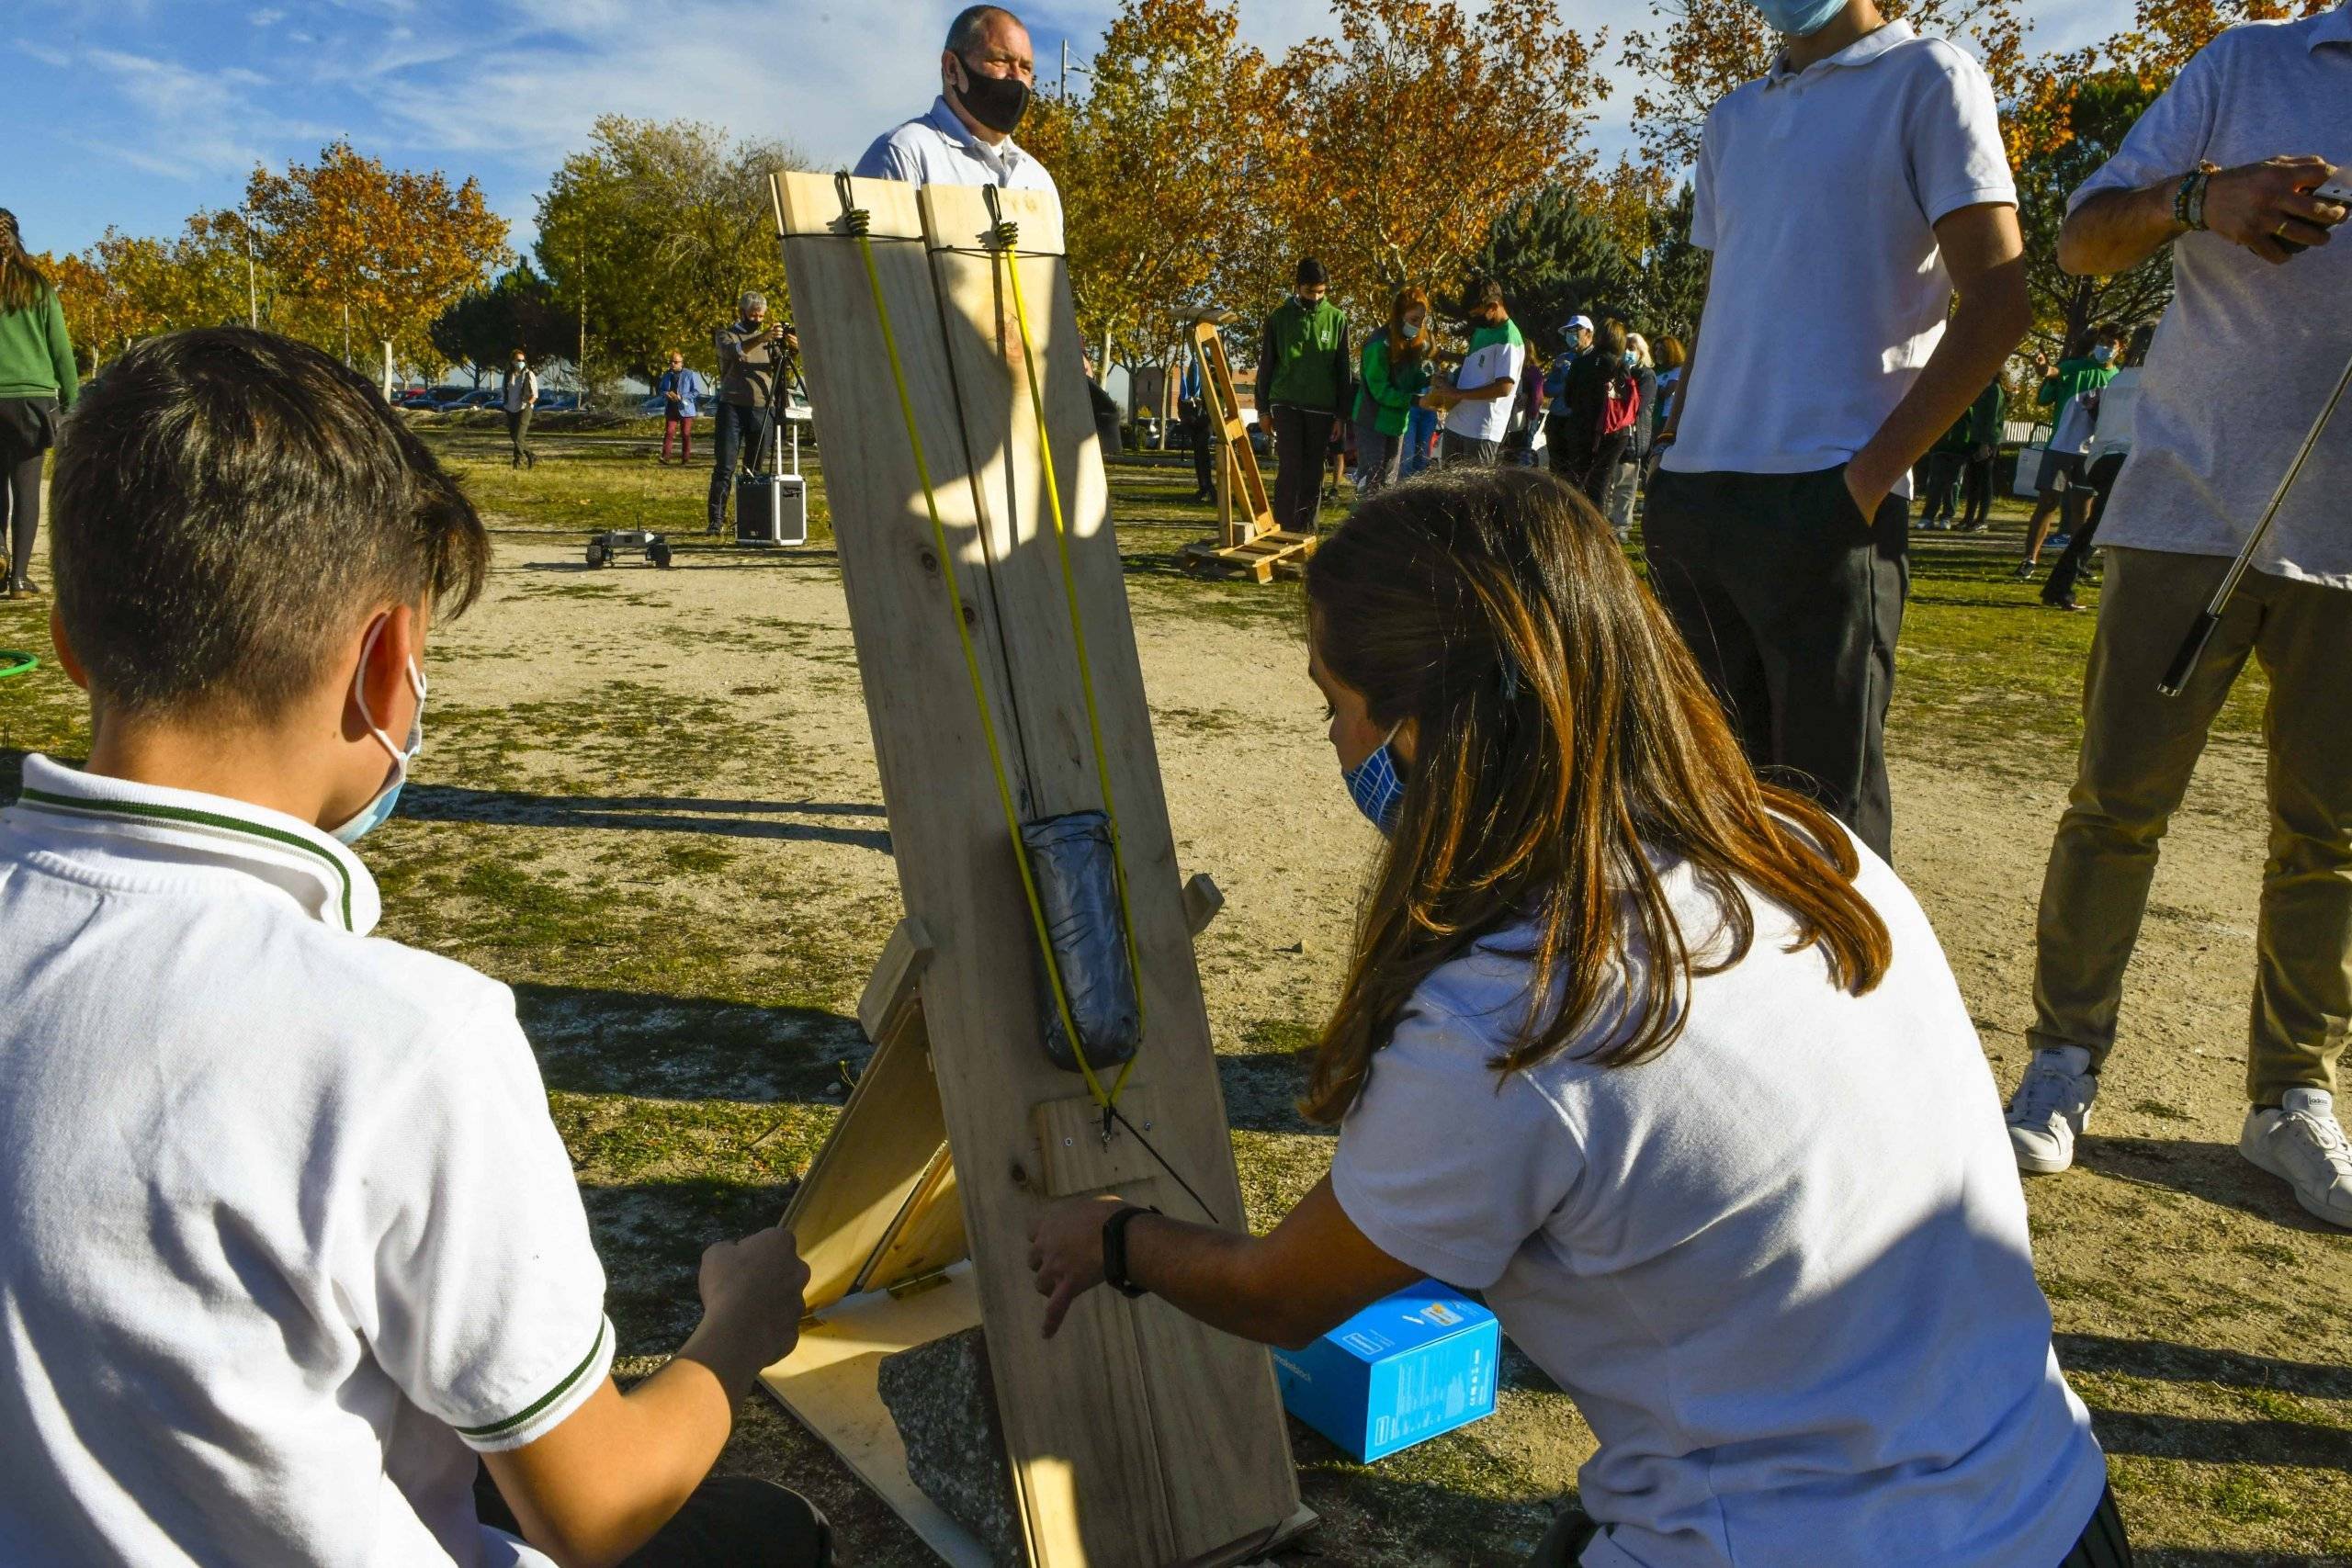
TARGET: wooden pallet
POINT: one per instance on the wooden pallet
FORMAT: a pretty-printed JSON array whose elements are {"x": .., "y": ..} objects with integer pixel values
[
  {"x": 1262, "y": 557},
  {"x": 1136, "y": 1437}
]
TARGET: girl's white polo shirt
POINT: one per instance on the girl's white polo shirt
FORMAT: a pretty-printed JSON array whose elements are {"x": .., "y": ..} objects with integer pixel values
[
  {"x": 1783, "y": 1268},
  {"x": 290, "y": 1236}
]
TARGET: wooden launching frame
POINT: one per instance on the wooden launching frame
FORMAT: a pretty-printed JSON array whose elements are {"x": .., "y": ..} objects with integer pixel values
[
  {"x": 1247, "y": 541},
  {"x": 1137, "y": 1435}
]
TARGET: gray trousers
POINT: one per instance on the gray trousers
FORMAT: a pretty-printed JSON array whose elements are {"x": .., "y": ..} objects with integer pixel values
[
  {"x": 1791, "y": 603},
  {"x": 1376, "y": 457},
  {"x": 2139, "y": 749}
]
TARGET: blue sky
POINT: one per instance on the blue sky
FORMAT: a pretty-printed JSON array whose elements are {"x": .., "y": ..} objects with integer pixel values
[{"x": 138, "y": 112}]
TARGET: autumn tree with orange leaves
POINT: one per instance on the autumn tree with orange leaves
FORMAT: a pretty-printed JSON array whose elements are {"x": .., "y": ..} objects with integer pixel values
[
  {"x": 392, "y": 247},
  {"x": 1699, "y": 49},
  {"x": 1159, "y": 187},
  {"x": 1388, "y": 152}
]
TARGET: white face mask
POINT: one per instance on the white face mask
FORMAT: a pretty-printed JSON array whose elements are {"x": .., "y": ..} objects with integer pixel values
[{"x": 371, "y": 815}]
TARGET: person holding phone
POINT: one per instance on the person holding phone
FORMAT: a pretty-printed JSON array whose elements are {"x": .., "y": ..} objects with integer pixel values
[{"x": 2240, "y": 168}]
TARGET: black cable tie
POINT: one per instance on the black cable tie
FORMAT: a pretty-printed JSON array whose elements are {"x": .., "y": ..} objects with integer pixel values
[
  {"x": 856, "y": 221},
  {"x": 1003, "y": 234}
]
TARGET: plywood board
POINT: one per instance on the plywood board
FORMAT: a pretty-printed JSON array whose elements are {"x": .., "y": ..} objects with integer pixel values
[
  {"x": 1136, "y": 1437},
  {"x": 1076, "y": 1153},
  {"x": 1221, "y": 1450},
  {"x": 829, "y": 1383}
]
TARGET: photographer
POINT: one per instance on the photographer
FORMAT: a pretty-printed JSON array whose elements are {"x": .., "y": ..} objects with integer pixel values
[{"x": 754, "y": 356}]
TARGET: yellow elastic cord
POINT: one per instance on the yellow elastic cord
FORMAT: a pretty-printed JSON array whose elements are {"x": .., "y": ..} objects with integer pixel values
[
  {"x": 1077, "y": 625},
  {"x": 979, "y": 691}
]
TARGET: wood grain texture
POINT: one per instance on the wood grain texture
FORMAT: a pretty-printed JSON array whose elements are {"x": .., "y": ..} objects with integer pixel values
[
  {"x": 1211, "y": 1402},
  {"x": 1076, "y": 1155},
  {"x": 1080, "y": 1411},
  {"x": 856, "y": 1192}
]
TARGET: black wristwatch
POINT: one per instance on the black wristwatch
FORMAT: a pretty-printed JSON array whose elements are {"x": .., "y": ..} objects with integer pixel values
[{"x": 1115, "y": 1250}]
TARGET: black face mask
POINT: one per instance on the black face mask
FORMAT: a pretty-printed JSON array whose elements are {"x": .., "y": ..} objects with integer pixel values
[{"x": 997, "y": 102}]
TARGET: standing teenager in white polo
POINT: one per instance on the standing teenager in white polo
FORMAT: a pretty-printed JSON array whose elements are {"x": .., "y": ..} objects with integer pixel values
[
  {"x": 987, "y": 72},
  {"x": 1847, "y": 195},
  {"x": 293, "y": 1253},
  {"x": 1661, "y": 1061},
  {"x": 1478, "y": 403},
  {"x": 2225, "y": 168}
]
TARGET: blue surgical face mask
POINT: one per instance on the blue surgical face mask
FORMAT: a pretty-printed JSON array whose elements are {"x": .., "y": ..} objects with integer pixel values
[
  {"x": 372, "y": 816},
  {"x": 2102, "y": 354},
  {"x": 1799, "y": 19},
  {"x": 1375, "y": 788}
]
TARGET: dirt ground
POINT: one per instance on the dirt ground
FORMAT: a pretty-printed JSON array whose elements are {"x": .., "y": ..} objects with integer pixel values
[{"x": 649, "y": 800}]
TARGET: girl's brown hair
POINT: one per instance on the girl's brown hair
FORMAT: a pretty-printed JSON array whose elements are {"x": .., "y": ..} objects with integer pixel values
[
  {"x": 1563, "y": 738},
  {"x": 1669, "y": 352},
  {"x": 21, "y": 285},
  {"x": 1404, "y": 348}
]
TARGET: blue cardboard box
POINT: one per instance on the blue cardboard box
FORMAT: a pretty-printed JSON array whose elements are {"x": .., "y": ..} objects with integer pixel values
[{"x": 1400, "y": 1371}]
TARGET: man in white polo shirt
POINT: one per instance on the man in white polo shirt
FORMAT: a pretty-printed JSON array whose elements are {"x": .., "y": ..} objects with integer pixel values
[
  {"x": 1847, "y": 195},
  {"x": 987, "y": 72},
  {"x": 293, "y": 1254},
  {"x": 1478, "y": 405},
  {"x": 2227, "y": 168}
]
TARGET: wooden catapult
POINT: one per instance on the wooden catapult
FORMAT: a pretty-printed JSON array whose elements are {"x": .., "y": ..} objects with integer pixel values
[
  {"x": 1136, "y": 1437},
  {"x": 1247, "y": 539}
]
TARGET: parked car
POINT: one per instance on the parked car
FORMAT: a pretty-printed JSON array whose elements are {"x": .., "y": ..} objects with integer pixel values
[
  {"x": 414, "y": 397},
  {"x": 557, "y": 402}
]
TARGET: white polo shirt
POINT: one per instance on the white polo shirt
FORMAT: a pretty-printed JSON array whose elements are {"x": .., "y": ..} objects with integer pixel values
[
  {"x": 2210, "y": 442},
  {"x": 1783, "y": 1268},
  {"x": 940, "y": 150},
  {"x": 289, "y": 1235},
  {"x": 1819, "y": 192}
]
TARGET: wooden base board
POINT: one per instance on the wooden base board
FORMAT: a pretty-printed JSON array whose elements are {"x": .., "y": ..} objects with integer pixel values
[
  {"x": 829, "y": 1385},
  {"x": 1263, "y": 557}
]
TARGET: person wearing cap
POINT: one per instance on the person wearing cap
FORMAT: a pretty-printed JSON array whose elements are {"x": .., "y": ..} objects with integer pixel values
[
  {"x": 1303, "y": 373},
  {"x": 1478, "y": 405},
  {"x": 987, "y": 75},
  {"x": 1847, "y": 195},
  {"x": 1564, "y": 453}
]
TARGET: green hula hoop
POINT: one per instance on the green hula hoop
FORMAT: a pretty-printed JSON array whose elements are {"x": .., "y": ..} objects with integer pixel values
[{"x": 14, "y": 662}]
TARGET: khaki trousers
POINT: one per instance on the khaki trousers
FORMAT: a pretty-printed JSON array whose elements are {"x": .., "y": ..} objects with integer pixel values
[{"x": 2138, "y": 752}]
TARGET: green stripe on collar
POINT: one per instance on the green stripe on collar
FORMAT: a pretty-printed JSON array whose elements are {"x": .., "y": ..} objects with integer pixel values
[
  {"x": 142, "y": 810},
  {"x": 570, "y": 1381}
]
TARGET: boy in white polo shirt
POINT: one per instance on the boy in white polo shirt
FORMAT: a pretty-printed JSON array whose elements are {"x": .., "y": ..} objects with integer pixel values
[
  {"x": 291, "y": 1239},
  {"x": 1478, "y": 406},
  {"x": 1847, "y": 195}
]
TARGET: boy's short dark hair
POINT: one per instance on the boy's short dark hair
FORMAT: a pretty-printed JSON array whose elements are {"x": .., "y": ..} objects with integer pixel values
[{"x": 226, "y": 501}]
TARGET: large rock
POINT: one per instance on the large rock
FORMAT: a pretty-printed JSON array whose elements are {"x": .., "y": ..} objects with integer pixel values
[{"x": 943, "y": 1402}]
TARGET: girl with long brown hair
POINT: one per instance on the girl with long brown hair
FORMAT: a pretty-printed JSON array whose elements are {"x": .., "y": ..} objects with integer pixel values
[
  {"x": 1659, "y": 1059},
  {"x": 1395, "y": 370},
  {"x": 38, "y": 382}
]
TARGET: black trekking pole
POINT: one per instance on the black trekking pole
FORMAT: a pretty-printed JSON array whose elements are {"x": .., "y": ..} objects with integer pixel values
[{"x": 2192, "y": 647}]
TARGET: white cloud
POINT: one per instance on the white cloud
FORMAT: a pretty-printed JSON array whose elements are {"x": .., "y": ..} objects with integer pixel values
[
  {"x": 53, "y": 57},
  {"x": 266, "y": 17}
]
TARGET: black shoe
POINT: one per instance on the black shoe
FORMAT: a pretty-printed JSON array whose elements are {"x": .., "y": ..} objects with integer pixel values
[
  {"x": 24, "y": 588},
  {"x": 2065, "y": 603},
  {"x": 2025, "y": 571}
]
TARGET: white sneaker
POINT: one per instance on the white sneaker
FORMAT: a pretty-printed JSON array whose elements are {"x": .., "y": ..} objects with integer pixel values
[
  {"x": 2052, "y": 1106},
  {"x": 2301, "y": 1143}
]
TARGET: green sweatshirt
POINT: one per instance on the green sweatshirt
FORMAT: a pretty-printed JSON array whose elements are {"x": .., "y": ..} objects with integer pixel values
[
  {"x": 36, "y": 359},
  {"x": 1303, "y": 360},
  {"x": 1389, "y": 394}
]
